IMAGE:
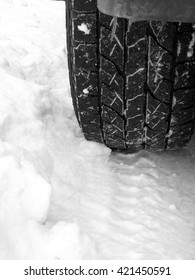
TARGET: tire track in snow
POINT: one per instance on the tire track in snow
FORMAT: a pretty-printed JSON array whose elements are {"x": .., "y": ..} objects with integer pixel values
[{"x": 143, "y": 224}]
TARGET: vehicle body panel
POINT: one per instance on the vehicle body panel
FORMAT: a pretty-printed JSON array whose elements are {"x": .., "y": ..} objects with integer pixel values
[{"x": 138, "y": 10}]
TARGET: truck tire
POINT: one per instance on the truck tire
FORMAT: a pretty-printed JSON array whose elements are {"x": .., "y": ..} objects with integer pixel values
[{"x": 133, "y": 87}]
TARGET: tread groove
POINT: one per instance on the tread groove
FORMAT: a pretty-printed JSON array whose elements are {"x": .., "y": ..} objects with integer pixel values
[
  {"x": 125, "y": 82},
  {"x": 148, "y": 89},
  {"x": 173, "y": 77},
  {"x": 98, "y": 76}
]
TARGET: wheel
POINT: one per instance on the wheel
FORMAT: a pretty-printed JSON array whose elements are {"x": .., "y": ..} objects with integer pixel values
[{"x": 133, "y": 87}]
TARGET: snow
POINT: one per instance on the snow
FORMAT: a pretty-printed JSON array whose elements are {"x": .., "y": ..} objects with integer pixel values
[
  {"x": 191, "y": 46},
  {"x": 62, "y": 197},
  {"x": 84, "y": 28}
]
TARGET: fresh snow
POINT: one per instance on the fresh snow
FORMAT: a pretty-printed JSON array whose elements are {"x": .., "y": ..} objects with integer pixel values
[
  {"x": 84, "y": 28},
  {"x": 62, "y": 197}
]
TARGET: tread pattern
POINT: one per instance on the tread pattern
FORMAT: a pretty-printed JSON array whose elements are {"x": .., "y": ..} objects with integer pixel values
[
  {"x": 81, "y": 20},
  {"x": 112, "y": 80},
  {"x": 134, "y": 90}
]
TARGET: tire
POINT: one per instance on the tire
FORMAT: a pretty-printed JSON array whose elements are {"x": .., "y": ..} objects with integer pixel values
[{"x": 136, "y": 91}]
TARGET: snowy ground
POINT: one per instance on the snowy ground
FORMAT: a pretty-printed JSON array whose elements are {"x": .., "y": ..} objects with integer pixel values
[{"x": 62, "y": 197}]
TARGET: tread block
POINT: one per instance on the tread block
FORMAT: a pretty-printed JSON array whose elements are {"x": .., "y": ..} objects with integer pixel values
[
  {"x": 113, "y": 128},
  {"x": 161, "y": 90},
  {"x": 156, "y": 118},
  {"x": 135, "y": 107},
  {"x": 134, "y": 124},
  {"x": 112, "y": 98},
  {"x": 179, "y": 135},
  {"x": 183, "y": 116},
  {"x": 90, "y": 105},
  {"x": 90, "y": 118},
  {"x": 185, "y": 74},
  {"x": 109, "y": 116},
  {"x": 156, "y": 114},
  {"x": 84, "y": 27},
  {"x": 113, "y": 142},
  {"x": 113, "y": 50},
  {"x": 159, "y": 67},
  {"x": 183, "y": 99},
  {"x": 186, "y": 28},
  {"x": 136, "y": 61},
  {"x": 84, "y": 5},
  {"x": 137, "y": 35},
  {"x": 86, "y": 84},
  {"x": 159, "y": 63},
  {"x": 134, "y": 140},
  {"x": 85, "y": 57},
  {"x": 110, "y": 75},
  {"x": 163, "y": 33},
  {"x": 105, "y": 20},
  {"x": 155, "y": 140}
]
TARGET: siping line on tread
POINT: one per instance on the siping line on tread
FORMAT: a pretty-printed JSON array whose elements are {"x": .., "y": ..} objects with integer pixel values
[{"x": 125, "y": 81}]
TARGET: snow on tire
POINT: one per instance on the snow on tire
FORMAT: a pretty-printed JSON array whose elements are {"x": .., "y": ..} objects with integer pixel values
[{"x": 135, "y": 88}]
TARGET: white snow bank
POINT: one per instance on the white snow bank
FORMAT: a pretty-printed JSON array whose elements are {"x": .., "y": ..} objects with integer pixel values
[
  {"x": 22, "y": 189},
  {"x": 62, "y": 197},
  {"x": 29, "y": 93}
]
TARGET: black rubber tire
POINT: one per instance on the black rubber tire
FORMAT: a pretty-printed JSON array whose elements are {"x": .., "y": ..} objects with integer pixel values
[{"x": 136, "y": 91}]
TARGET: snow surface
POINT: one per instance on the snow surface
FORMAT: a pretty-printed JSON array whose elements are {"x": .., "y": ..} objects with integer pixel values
[{"x": 62, "y": 197}]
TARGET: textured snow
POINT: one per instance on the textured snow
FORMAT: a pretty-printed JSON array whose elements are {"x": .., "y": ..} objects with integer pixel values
[{"x": 62, "y": 197}]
